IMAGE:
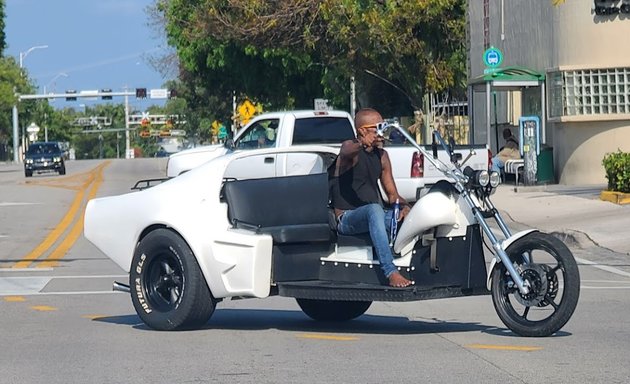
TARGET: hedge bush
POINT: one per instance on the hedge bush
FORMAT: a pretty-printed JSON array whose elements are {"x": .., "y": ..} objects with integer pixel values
[{"x": 617, "y": 166}]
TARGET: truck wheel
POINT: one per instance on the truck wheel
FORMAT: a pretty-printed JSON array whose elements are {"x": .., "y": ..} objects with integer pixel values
[
  {"x": 333, "y": 310},
  {"x": 168, "y": 289}
]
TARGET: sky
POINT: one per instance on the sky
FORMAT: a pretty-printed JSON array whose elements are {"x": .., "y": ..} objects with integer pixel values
[{"x": 92, "y": 45}]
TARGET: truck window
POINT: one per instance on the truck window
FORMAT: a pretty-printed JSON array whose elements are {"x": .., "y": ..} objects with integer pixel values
[
  {"x": 322, "y": 130},
  {"x": 261, "y": 134}
]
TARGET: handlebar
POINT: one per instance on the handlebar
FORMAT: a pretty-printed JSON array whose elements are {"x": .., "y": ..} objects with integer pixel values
[{"x": 454, "y": 172}]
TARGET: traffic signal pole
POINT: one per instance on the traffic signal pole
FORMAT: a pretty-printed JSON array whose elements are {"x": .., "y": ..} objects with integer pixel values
[{"x": 104, "y": 94}]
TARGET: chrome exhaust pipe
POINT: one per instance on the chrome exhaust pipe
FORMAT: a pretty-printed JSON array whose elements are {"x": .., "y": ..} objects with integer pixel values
[{"x": 120, "y": 287}]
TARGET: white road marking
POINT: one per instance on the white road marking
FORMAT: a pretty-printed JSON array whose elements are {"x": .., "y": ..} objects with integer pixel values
[
  {"x": 2, "y": 270},
  {"x": 11, "y": 204},
  {"x": 603, "y": 267},
  {"x": 22, "y": 285}
]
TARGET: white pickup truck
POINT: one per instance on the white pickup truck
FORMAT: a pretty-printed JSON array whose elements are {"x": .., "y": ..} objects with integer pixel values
[{"x": 413, "y": 175}]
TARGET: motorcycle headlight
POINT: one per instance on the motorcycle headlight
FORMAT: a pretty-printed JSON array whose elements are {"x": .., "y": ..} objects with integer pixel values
[
  {"x": 56, "y": 159},
  {"x": 483, "y": 178},
  {"x": 495, "y": 179},
  {"x": 29, "y": 161}
]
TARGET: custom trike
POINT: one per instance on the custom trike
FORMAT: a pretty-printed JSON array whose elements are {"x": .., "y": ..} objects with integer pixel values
[{"x": 213, "y": 233}]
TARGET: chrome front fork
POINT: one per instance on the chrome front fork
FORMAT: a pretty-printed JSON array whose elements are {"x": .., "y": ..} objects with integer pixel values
[{"x": 496, "y": 243}]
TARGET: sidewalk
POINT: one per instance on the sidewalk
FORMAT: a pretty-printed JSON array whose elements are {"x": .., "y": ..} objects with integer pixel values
[{"x": 570, "y": 210}]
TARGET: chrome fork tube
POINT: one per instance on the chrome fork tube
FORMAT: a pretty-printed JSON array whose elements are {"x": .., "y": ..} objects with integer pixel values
[
  {"x": 498, "y": 218},
  {"x": 496, "y": 244}
]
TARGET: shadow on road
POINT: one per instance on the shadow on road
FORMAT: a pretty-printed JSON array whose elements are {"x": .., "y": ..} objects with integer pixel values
[{"x": 296, "y": 321}]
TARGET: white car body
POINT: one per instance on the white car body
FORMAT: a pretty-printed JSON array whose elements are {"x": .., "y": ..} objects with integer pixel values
[{"x": 234, "y": 262}]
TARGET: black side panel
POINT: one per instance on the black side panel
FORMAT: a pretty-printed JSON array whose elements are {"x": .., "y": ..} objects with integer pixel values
[
  {"x": 460, "y": 262},
  {"x": 295, "y": 262}
]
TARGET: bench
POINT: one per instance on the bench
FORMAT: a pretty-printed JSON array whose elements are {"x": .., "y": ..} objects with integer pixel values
[
  {"x": 292, "y": 209},
  {"x": 514, "y": 167}
]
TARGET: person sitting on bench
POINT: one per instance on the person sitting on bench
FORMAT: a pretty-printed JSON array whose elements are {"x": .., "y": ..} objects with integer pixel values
[{"x": 509, "y": 151}]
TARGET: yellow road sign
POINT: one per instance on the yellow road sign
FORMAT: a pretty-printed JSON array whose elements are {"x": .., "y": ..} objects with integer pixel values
[{"x": 246, "y": 110}]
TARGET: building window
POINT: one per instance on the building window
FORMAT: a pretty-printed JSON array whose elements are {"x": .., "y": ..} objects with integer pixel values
[{"x": 589, "y": 92}]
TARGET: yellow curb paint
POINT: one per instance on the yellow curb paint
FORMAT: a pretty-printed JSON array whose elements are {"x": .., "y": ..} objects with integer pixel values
[
  {"x": 504, "y": 347},
  {"x": 14, "y": 299},
  {"x": 327, "y": 337},
  {"x": 77, "y": 229},
  {"x": 43, "y": 308},
  {"x": 615, "y": 197}
]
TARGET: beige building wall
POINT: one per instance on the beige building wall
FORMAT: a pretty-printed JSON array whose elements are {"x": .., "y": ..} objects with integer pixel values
[{"x": 537, "y": 35}]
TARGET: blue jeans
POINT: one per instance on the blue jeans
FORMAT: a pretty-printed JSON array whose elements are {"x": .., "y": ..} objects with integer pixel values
[
  {"x": 497, "y": 165},
  {"x": 376, "y": 221}
]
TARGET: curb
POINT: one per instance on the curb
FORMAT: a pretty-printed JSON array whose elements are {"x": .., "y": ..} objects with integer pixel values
[{"x": 615, "y": 197}]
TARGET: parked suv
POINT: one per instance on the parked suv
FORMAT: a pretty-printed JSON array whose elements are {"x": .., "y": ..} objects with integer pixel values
[{"x": 44, "y": 156}]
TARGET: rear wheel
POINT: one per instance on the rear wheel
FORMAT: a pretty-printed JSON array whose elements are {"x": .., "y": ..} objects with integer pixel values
[
  {"x": 28, "y": 173},
  {"x": 168, "y": 289},
  {"x": 333, "y": 310},
  {"x": 62, "y": 170},
  {"x": 548, "y": 267}
]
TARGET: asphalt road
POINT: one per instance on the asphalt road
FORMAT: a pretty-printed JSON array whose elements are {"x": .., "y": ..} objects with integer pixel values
[{"x": 61, "y": 323}]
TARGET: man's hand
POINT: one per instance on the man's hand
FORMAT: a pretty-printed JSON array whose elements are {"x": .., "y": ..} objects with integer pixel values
[{"x": 404, "y": 210}]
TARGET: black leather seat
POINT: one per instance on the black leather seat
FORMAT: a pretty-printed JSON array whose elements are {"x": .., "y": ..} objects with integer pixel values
[{"x": 292, "y": 209}]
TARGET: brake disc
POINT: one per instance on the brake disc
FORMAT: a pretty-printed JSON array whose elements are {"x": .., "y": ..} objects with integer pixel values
[{"x": 536, "y": 276}]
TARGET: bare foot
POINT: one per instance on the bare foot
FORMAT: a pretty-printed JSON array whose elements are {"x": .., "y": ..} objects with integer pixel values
[{"x": 397, "y": 280}]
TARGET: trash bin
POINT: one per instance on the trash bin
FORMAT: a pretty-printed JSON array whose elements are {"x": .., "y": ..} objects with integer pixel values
[{"x": 544, "y": 172}]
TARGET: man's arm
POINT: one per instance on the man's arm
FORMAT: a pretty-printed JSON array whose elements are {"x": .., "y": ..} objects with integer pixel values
[
  {"x": 387, "y": 180},
  {"x": 348, "y": 155}
]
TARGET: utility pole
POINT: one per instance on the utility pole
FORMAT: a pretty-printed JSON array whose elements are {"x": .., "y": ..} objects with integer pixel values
[{"x": 127, "y": 144}]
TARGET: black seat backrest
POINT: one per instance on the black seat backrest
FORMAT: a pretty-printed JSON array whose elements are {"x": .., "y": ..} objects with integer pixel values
[{"x": 291, "y": 208}]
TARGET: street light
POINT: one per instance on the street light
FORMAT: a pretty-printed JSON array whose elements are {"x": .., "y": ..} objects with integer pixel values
[
  {"x": 53, "y": 80},
  {"x": 16, "y": 158},
  {"x": 31, "y": 49}
]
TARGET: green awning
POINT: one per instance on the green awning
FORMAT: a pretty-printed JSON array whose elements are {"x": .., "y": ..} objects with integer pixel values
[{"x": 510, "y": 77}]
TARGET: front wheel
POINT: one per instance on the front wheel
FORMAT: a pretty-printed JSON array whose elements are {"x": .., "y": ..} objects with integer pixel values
[
  {"x": 547, "y": 266},
  {"x": 168, "y": 289},
  {"x": 333, "y": 310}
]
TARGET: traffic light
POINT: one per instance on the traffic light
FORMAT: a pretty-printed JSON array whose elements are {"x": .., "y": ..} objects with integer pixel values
[
  {"x": 141, "y": 93},
  {"x": 106, "y": 97},
  {"x": 70, "y": 98}
]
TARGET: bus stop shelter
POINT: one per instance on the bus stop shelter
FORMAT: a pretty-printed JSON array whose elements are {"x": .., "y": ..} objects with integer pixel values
[{"x": 507, "y": 79}]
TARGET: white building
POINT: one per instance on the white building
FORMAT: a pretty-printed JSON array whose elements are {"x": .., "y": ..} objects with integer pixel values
[{"x": 581, "y": 46}]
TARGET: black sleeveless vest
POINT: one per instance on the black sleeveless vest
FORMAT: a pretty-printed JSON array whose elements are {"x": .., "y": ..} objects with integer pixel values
[{"x": 357, "y": 186}]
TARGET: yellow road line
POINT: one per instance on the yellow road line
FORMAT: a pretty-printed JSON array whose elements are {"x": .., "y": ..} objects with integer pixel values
[
  {"x": 504, "y": 347},
  {"x": 77, "y": 229},
  {"x": 93, "y": 317},
  {"x": 327, "y": 337},
  {"x": 54, "y": 235},
  {"x": 14, "y": 299},
  {"x": 43, "y": 308}
]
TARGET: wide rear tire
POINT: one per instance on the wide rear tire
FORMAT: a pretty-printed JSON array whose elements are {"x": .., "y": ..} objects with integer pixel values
[
  {"x": 333, "y": 310},
  {"x": 555, "y": 286},
  {"x": 168, "y": 289}
]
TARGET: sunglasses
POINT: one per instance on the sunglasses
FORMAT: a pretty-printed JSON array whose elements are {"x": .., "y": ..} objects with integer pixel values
[{"x": 381, "y": 128}]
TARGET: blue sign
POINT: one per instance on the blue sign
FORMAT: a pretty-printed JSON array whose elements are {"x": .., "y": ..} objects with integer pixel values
[{"x": 492, "y": 57}]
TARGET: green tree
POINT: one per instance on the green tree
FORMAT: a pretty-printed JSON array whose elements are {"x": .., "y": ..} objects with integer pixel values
[{"x": 284, "y": 53}]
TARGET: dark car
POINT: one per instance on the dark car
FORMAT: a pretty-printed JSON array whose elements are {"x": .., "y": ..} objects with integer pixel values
[{"x": 44, "y": 156}]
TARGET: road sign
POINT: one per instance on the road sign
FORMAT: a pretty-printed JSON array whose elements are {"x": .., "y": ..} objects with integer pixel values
[
  {"x": 33, "y": 128},
  {"x": 492, "y": 57},
  {"x": 222, "y": 132},
  {"x": 161, "y": 93},
  {"x": 246, "y": 110}
]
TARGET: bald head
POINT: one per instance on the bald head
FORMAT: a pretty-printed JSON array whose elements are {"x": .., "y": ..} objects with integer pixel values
[{"x": 367, "y": 116}]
